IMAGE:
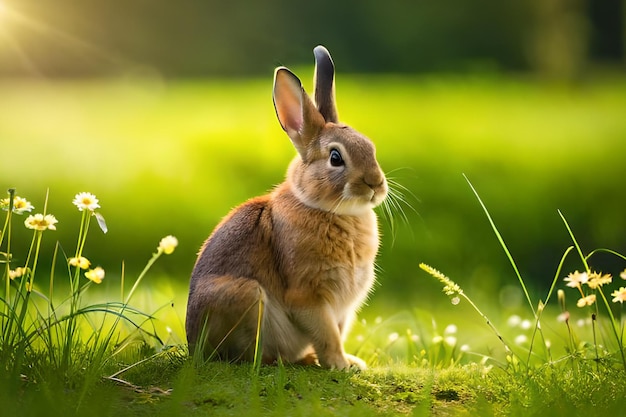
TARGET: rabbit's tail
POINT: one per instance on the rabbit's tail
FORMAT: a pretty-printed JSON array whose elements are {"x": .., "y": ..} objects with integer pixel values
[{"x": 224, "y": 317}]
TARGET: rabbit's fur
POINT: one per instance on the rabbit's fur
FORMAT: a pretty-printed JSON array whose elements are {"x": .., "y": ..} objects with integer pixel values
[{"x": 306, "y": 250}]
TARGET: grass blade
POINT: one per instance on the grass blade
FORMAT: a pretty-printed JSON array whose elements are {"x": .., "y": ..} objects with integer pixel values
[{"x": 504, "y": 247}]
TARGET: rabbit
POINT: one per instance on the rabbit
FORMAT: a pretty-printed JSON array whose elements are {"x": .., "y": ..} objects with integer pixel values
[{"x": 299, "y": 261}]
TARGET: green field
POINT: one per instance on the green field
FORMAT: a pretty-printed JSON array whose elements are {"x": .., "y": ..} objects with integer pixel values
[{"x": 174, "y": 157}]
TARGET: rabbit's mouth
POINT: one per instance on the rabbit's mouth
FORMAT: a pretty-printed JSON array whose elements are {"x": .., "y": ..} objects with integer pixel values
[
  {"x": 369, "y": 195},
  {"x": 378, "y": 197},
  {"x": 359, "y": 199}
]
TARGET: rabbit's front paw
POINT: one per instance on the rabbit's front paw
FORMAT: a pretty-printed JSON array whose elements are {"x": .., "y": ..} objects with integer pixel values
[
  {"x": 356, "y": 363},
  {"x": 345, "y": 362}
]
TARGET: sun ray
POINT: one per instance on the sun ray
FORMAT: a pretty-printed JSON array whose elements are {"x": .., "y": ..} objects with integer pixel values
[{"x": 20, "y": 30}]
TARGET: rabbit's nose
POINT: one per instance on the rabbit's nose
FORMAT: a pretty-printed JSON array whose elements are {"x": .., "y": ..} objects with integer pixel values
[{"x": 374, "y": 180}]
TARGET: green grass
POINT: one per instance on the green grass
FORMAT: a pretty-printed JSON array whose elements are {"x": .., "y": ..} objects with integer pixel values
[
  {"x": 413, "y": 370},
  {"x": 394, "y": 390},
  {"x": 174, "y": 387},
  {"x": 172, "y": 158}
]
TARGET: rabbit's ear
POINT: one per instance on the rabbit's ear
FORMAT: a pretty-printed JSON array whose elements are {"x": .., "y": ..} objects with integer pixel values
[
  {"x": 325, "y": 84},
  {"x": 295, "y": 110}
]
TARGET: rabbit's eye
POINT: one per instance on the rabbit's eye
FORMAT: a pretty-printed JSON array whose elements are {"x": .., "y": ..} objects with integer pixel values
[{"x": 335, "y": 158}]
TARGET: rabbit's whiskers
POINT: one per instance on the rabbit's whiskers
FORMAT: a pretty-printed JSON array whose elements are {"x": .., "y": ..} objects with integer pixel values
[{"x": 393, "y": 207}]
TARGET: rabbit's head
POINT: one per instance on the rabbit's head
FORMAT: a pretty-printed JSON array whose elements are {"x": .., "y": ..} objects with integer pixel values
[{"x": 336, "y": 168}]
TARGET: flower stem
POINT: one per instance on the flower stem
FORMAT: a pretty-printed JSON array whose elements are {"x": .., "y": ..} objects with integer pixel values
[
  {"x": 141, "y": 275},
  {"x": 7, "y": 221},
  {"x": 39, "y": 234},
  {"x": 6, "y": 229},
  {"x": 614, "y": 327},
  {"x": 606, "y": 302}
]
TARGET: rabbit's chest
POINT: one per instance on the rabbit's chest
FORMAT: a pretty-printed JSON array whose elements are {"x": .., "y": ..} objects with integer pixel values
[
  {"x": 332, "y": 261},
  {"x": 345, "y": 243}
]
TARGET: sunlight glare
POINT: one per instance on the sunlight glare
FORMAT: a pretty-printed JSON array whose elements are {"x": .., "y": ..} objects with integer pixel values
[{"x": 5, "y": 13}]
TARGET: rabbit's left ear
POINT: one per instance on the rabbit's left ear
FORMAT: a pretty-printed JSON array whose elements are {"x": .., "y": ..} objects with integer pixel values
[
  {"x": 295, "y": 110},
  {"x": 325, "y": 84}
]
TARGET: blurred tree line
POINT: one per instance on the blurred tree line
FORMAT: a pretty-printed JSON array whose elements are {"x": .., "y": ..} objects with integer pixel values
[{"x": 556, "y": 38}]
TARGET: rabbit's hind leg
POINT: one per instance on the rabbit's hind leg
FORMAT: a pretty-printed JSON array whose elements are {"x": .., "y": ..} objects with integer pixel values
[{"x": 223, "y": 317}]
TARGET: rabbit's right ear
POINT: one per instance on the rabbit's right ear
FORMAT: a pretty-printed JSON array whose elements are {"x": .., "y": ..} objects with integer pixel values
[
  {"x": 295, "y": 110},
  {"x": 325, "y": 84}
]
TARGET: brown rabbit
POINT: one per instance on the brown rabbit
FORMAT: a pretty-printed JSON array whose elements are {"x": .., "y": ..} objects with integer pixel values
[{"x": 305, "y": 251}]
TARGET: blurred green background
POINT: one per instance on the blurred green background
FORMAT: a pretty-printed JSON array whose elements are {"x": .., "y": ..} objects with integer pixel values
[{"x": 163, "y": 110}]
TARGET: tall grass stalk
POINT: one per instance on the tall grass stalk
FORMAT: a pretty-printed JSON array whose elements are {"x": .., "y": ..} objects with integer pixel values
[
  {"x": 504, "y": 247},
  {"x": 258, "y": 347},
  {"x": 542, "y": 305},
  {"x": 453, "y": 289},
  {"x": 536, "y": 316}
]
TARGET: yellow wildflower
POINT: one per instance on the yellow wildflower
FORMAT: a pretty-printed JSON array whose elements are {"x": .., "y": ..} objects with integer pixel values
[
  {"x": 96, "y": 275},
  {"x": 80, "y": 262},
  {"x": 41, "y": 222},
  {"x": 86, "y": 201},
  {"x": 597, "y": 280},
  {"x": 586, "y": 301},
  {"x": 17, "y": 272},
  {"x": 20, "y": 205},
  {"x": 576, "y": 279},
  {"x": 167, "y": 244},
  {"x": 619, "y": 295}
]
